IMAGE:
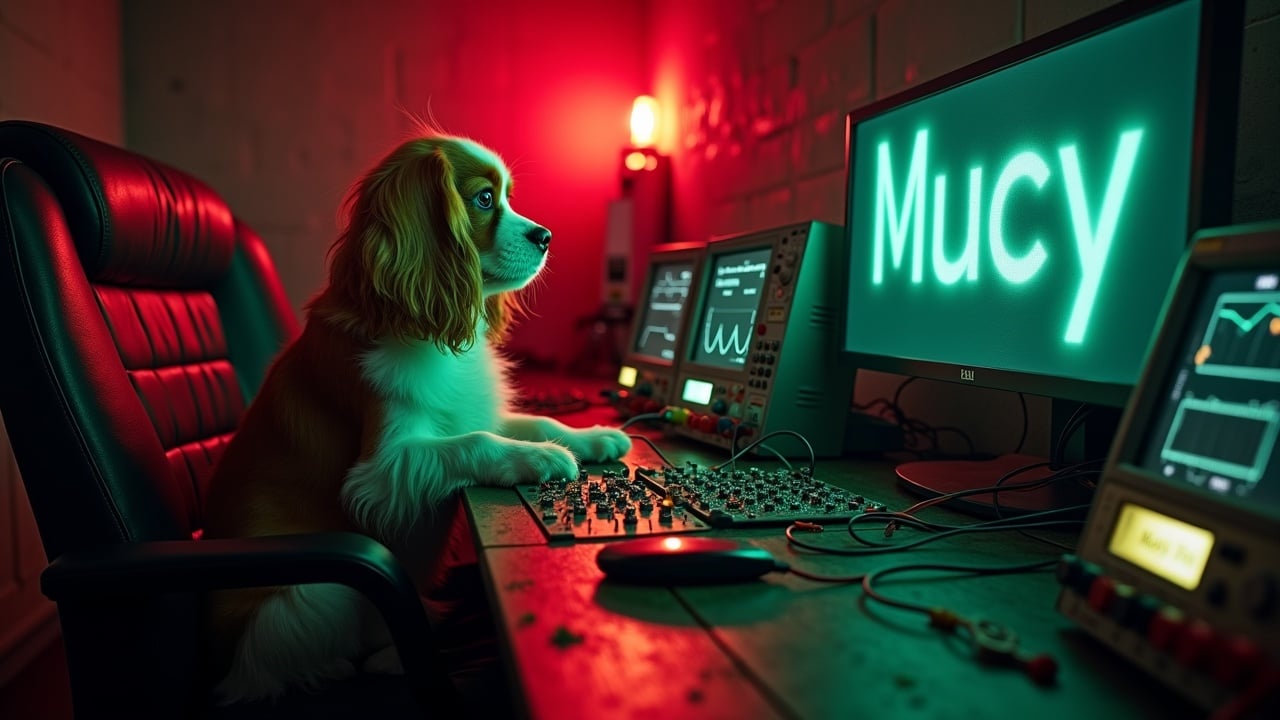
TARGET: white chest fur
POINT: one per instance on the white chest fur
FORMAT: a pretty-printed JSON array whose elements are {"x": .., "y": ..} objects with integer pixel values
[{"x": 430, "y": 392}]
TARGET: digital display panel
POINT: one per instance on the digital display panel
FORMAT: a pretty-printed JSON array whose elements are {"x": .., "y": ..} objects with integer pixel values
[
  {"x": 1217, "y": 417},
  {"x": 696, "y": 391},
  {"x": 627, "y": 376},
  {"x": 1031, "y": 219},
  {"x": 731, "y": 301},
  {"x": 1166, "y": 547},
  {"x": 659, "y": 323}
]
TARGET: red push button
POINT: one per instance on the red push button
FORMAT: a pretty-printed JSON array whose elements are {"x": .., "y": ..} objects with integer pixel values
[
  {"x": 1166, "y": 625},
  {"x": 1192, "y": 647},
  {"x": 1236, "y": 662},
  {"x": 1101, "y": 593}
]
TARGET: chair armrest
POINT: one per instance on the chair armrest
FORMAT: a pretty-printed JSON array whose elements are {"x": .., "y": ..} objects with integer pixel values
[
  {"x": 347, "y": 558},
  {"x": 150, "y": 568}
]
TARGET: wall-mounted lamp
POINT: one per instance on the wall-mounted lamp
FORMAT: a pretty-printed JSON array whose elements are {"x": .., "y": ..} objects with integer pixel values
[
  {"x": 644, "y": 121},
  {"x": 641, "y": 217}
]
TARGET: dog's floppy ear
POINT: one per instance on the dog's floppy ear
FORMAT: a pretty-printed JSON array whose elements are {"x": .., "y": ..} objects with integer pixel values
[{"x": 406, "y": 260}]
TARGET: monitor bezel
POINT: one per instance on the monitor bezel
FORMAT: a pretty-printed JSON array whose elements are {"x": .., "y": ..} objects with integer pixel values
[
  {"x": 1213, "y": 148},
  {"x": 1212, "y": 250},
  {"x": 665, "y": 253},
  {"x": 716, "y": 246}
]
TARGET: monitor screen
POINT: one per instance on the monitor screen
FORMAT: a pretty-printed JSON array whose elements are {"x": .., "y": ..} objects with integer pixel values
[
  {"x": 731, "y": 301},
  {"x": 659, "y": 325},
  {"x": 1216, "y": 417},
  {"x": 1017, "y": 225}
]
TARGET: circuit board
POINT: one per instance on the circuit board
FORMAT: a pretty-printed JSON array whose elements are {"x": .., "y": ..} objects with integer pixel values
[
  {"x": 611, "y": 504},
  {"x": 735, "y": 498}
]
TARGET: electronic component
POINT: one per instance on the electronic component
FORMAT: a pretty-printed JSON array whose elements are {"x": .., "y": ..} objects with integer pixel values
[
  {"x": 761, "y": 351},
  {"x": 647, "y": 376},
  {"x": 751, "y": 496},
  {"x": 1178, "y": 567},
  {"x": 611, "y": 504}
]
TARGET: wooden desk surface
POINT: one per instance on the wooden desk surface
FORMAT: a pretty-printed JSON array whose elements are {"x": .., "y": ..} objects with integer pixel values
[{"x": 785, "y": 646}]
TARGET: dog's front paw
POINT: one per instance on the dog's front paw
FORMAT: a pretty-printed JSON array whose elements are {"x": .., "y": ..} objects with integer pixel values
[
  {"x": 532, "y": 462},
  {"x": 597, "y": 444}
]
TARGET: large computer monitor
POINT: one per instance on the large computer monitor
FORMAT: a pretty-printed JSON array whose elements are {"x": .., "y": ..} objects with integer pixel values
[
  {"x": 1016, "y": 224},
  {"x": 647, "y": 374},
  {"x": 762, "y": 351}
]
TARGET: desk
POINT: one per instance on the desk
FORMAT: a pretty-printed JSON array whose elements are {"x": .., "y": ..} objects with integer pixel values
[{"x": 784, "y": 646}]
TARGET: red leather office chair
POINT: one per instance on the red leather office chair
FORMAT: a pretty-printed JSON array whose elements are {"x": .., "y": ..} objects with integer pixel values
[{"x": 137, "y": 319}]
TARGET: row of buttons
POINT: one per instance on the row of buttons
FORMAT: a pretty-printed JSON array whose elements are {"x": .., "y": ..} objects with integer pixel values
[
  {"x": 711, "y": 423},
  {"x": 1232, "y": 660}
]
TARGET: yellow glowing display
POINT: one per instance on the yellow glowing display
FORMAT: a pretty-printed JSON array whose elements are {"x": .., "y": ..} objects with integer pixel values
[
  {"x": 1164, "y": 546},
  {"x": 627, "y": 376}
]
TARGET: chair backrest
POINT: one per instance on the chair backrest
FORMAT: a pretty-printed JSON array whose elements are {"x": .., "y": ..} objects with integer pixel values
[{"x": 138, "y": 318}]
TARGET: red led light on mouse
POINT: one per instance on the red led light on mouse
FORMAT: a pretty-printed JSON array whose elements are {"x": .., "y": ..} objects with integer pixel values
[{"x": 672, "y": 543}]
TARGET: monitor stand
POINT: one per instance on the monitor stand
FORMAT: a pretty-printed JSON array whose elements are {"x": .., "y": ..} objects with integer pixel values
[{"x": 931, "y": 478}]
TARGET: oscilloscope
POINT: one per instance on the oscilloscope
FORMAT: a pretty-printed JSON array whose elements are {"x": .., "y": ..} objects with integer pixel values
[
  {"x": 647, "y": 374},
  {"x": 762, "y": 348},
  {"x": 1178, "y": 568}
]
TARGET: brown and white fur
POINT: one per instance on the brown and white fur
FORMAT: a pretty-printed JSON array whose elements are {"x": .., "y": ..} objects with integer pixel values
[{"x": 392, "y": 398}]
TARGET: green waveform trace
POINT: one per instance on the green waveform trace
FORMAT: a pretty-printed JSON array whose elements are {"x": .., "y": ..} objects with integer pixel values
[{"x": 1246, "y": 325}]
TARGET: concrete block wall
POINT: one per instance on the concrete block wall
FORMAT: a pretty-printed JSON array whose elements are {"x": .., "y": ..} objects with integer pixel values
[
  {"x": 755, "y": 94},
  {"x": 60, "y": 63}
]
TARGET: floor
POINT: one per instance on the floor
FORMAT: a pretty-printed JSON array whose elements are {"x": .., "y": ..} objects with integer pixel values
[{"x": 41, "y": 691}]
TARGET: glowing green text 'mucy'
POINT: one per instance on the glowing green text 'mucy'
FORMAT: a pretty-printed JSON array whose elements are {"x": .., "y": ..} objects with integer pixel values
[{"x": 896, "y": 220}]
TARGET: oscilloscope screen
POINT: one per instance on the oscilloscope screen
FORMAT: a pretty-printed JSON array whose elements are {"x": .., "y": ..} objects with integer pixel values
[
  {"x": 731, "y": 302},
  {"x": 664, "y": 310},
  {"x": 1218, "y": 420}
]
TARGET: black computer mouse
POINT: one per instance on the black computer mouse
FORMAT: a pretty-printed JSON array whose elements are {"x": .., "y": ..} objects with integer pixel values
[{"x": 684, "y": 560}]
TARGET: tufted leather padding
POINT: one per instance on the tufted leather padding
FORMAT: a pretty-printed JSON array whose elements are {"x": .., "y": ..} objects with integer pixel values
[
  {"x": 135, "y": 221},
  {"x": 173, "y": 350},
  {"x": 157, "y": 312}
]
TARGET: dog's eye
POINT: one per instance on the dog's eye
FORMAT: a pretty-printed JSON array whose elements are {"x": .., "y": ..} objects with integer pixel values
[{"x": 483, "y": 200}]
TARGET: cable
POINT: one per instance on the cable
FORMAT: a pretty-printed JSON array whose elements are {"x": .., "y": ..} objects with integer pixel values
[
  {"x": 1068, "y": 473},
  {"x": 868, "y": 582},
  {"x": 850, "y": 579},
  {"x": 733, "y": 450},
  {"x": 656, "y": 451},
  {"x": 813, "y": 460},
  {"x": 640, "y": 418},
  {"x": 990, "y": 642},
  {"x": 940, "y": 533}
]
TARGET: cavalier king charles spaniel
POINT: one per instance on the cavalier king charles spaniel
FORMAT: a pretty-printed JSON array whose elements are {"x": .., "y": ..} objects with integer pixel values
[{"x": 391, "y": 399}]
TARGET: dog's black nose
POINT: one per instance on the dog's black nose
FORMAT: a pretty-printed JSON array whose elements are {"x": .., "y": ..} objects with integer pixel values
[{"x": 539, "y": 236}]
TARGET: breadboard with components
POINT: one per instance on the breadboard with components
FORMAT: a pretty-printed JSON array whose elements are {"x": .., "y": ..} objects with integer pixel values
[
  {"x": 746, "y": 497},
  {"x": 612, "y": 504}
]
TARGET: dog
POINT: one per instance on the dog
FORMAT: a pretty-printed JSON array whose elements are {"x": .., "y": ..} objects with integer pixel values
[{"x": 393, "y": 397}]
